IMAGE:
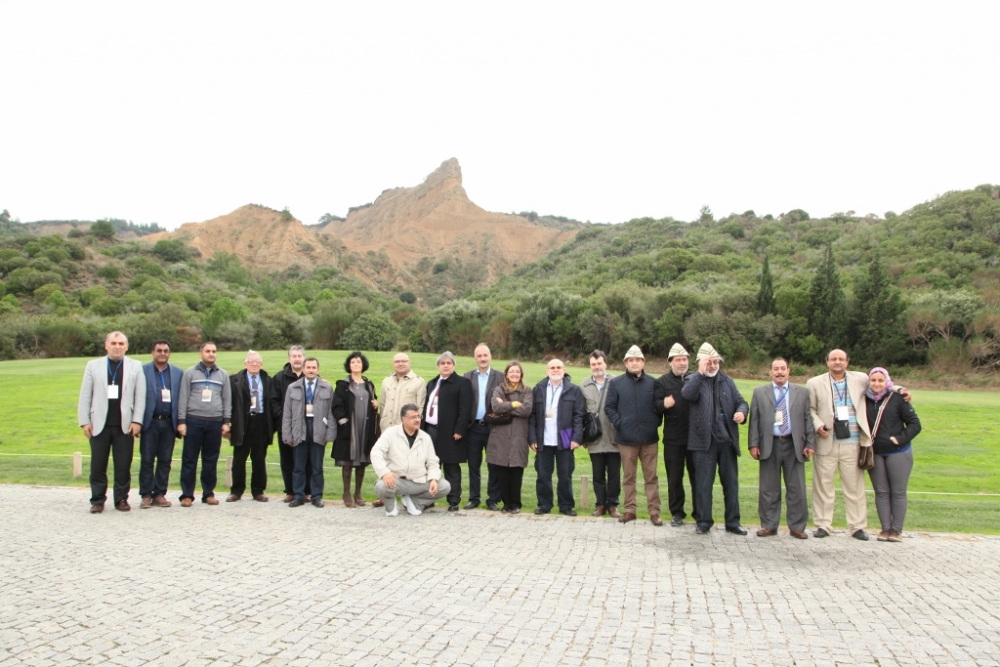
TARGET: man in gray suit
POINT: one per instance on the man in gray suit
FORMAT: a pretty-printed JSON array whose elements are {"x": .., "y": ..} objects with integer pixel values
[
  {"x": 781, "y": 432},
  {"x": 307, "y": 424},
  {"x": 112, "y": 399}
]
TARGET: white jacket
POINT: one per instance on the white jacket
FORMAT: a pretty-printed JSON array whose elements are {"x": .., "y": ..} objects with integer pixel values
[{"x": 392, "y": 453}]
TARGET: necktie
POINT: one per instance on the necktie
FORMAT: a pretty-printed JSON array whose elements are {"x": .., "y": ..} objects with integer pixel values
[
  {"x": 309, "y": 392},
  {"x": 254, "y": 391},
  {"x": 786, "y": 427}
]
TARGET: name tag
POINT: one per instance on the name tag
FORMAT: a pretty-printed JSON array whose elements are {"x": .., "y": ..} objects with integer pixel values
[
  {"x": 778, "y": 417},
  {"x": 435, "y": 402},
  {"x": 112, "y": 392},
  {"x": 165, "y": 395},
  {"x": 843, "y": 414},
  {"x": 253, "y": 402},
  {"x": 206, "y": 395},
  {"x": 550, "y": 413},
  {"x": 309, "y": 409}
]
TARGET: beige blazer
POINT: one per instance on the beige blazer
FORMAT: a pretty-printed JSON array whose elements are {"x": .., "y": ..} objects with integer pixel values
[
  {"x": 821, "y": 406},
  {"x": 92, "y": 407}
]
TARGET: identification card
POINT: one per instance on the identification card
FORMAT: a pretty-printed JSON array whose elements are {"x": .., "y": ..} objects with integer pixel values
[
  {"x": 549, "y": 413},
  {"x": 112, "y": 392},
  {"x": 309, "y": 409},
  {"x": 206, "y": 395},
  {"x": 842, "y": 413},
  {"x": 253, "y": 402},
  {"x": 778, "y": 417},
  {"x": 435, "y": 402},
  {"x": 165, "y": 395}
]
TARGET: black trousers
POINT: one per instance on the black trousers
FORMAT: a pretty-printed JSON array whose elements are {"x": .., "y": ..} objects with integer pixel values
[
  {"x": 254, "y": 446},
  {"x": 110, "y": 441},
  {"x": 722, "y": 456},
  {"x": 607, "y": 468},
  {"x": 509, "y": 481},
  {"x": 676, "y": 459},
  {"x": 286, "y": 455},
  {"x": 452, "y": 471},
  {"x": 476, "y": 438},
  {"x": 156, "y": 449}
]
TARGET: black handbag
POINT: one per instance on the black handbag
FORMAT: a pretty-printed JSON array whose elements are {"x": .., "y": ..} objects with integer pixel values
[
  {"x": 591, "y": 427},
  {"x": 498, "y": 418}
]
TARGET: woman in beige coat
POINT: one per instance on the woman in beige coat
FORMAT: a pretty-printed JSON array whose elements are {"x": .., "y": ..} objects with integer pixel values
[{"x": 507, "y": 449}]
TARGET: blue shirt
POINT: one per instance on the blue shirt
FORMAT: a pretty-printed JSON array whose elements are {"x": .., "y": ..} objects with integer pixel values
[
  {"x": 781, "y": 403},
  {"x": 484, "y": 379}
]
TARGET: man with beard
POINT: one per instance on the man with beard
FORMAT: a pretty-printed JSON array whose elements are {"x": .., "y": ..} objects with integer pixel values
[
  {"x": 204, "y": 415},
  {"x": 555, "y": 429},
  {"x": 279, "y": 387},
  {"x": 715, "y": 411},
  {"x": 667, "y": 401},
  {"x": 159, "y": 426},
  {"x": 446, "y": 419},
  {"x": 605, "y": 460}
]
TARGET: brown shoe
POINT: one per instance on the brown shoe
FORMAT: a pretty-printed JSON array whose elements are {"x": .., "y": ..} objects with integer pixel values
[
  {"x": 894, "y": 536},
  {"x": 798, "y": 534},
  {"x": 160, "y": 501},
  {"x": 288, "y": 498},
  {"x": 883, "y": 535},
  {"x": 600, "y": 511},
  {"x": 308, "y": 497},
  {"x": 348, "y": 501},
  {"x": 655, "y": 520},
  {"x": 123, "y": 506},
  {"x": 613, "y": 512},
  {"x": 97, "y": 508},
  {"x": 359, "y": 501},
  {"x": 232, "y": 498},
  {"x": 378, "y": 503},
  {"x": 766, "y": 532},
  {"x": 146, "y": 503},
  {"x": 625, "y": 518},
  {"x": 211, "y": 500},
  {"x": 186, "y": 502},
  {"x": 261, "y": 498}
]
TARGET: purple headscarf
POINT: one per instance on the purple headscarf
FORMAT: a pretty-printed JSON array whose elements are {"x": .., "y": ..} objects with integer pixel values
[{"x": 888, "y": 384}]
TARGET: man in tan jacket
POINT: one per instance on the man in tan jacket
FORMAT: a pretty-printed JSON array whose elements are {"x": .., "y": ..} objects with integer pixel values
[{"x": 404, "y": 459}]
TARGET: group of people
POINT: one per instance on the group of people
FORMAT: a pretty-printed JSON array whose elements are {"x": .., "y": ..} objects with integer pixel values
[{"x": 417, "y": 435}]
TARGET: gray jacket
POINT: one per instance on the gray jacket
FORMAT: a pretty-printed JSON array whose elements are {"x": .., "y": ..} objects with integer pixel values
[
  {"x": 595, "y": 399},
  {"x": 190, "y": 404},
  {"x": 293, "y": 419}
]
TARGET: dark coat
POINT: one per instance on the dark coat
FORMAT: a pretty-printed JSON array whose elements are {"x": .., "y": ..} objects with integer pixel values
[
  {"x": 898, "y": 419},
  {"x": 279, "y": 387},
  {"x": 697, "y": 392},
  {"x": 152, "y": 393},
  {"x": 629, "y": 406},
  {"x": 343, "y": 408},
  {"x": 508, "y": 443},
  {"x": 675, "y": 419},
  {"x": 492, "y": 382},
  {"x": 455, "y": 412},
  {"x": 241, "y": 406},
  {"x": 570, "y": 416}
]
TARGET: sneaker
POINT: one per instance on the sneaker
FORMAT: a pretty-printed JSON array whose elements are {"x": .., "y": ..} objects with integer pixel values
[
  {"x": 391, "y": 509},
  {"x": 411, "y": 507}
]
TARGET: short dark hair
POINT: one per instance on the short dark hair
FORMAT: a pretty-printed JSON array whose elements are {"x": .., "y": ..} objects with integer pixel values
[
  {"x": 307, "y": 359},
  {"x": 160, "y": 342},
  {"x": 356, "y": 355},
  {"x": 207, "y": 342},
  {"x": 599, "y": 354},
  {"x": 778, "y": 359},
  {"x": 408, "y": 407}
]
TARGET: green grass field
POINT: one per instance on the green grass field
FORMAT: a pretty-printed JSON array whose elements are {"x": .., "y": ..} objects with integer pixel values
[{"x": 955, "y": 484}]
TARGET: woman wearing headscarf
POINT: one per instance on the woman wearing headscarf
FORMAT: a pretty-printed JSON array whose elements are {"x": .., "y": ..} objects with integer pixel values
[
  {"x": 507, "y": 448},
  {"x": 354, "y": 406},
  {"x": 893, "y": 424}
]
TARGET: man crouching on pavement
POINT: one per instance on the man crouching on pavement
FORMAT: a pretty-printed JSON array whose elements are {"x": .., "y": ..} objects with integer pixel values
[{"x": 404, "y": 459}]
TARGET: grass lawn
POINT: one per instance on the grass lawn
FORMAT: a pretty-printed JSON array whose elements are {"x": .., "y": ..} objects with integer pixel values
[{"x": 955, "y": 484}]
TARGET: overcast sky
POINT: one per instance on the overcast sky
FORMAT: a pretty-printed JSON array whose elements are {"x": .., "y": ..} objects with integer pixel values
[{"x": 176, "y": 112}]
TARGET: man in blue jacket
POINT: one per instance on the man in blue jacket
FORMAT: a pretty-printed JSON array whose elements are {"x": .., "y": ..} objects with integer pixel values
[
  {"x": 715, "y": 411},
  {"x": 159, "y": 426},
  {"x": 630, "y": 408},
  {"x": 555, "y": 430}
]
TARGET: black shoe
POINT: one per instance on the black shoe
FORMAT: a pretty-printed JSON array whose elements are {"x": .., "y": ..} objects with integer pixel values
[
  {"x": 701, "y": 530},
  {"x": 470, "y": 505},
  {"x": 493, "y": 507},
  {"x": 860, "y": 535},
  {"x": 516, "y": 510},
  {"x": 317, "y": 502},
  {"x": 677, "y": 521},
  {"x": 736, "y": 530},
  {"x": 453, "y": 508},
  {"x": 568, "y": 512},
  {"x": 298, "y": 502},
  {"x": 539, "y": 510},
  {"x": 821, "y": 532}
]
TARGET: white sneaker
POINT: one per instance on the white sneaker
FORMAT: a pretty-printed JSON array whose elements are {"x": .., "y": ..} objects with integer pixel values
[
  {"x": 393, "y": 510},
  {"x": 411, "y": 507}
]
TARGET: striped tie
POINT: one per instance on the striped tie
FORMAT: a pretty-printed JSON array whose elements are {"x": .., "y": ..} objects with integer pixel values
[{"x": 786, "y": 428}]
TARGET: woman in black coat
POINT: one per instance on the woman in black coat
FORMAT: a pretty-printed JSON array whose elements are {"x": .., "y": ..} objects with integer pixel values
[
  {"x": 447, "y": 413},
  {"x": 354, "y": 407},
  {"x": 894, "y": 424}
]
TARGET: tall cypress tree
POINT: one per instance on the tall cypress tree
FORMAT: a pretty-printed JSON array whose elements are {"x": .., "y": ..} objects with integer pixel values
[
  {"x": 881, "y": 333},
  {"x": 827, "y": 306},
  {"x": 765, "y": 297}
]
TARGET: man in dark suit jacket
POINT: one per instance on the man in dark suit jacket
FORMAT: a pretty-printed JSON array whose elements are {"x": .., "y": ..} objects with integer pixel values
[
  {"x": 253, "y": 427},
  {"x": 781, "y": 429},
  {"x": 447, "y": 414},
  {"x": 484, "y": 380},
  {"x": 159, "y": 426}
]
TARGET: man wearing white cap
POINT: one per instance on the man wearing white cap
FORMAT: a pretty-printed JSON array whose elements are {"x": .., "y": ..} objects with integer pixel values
[
  {"x": 715, "y": 412},
  {"x": 667, "y": 401},
  {"x": 629, "y": 406}
]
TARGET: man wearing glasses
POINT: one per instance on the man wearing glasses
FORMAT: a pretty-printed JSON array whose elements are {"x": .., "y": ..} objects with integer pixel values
[
  {"x": 404, "y": 459},
  {"x": 253, "y": 427}
]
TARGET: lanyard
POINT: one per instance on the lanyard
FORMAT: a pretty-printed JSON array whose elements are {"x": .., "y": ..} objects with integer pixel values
[
  {"x": 114, "y": 374},
  {"x": 208, "y": 375},
  {"x": 553, "y": 392},
  {"x": 841, "y": 396},
  {"x": 163, "y": 383}
]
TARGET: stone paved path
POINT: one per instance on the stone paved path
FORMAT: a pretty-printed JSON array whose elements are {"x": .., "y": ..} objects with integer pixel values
[{"x": 261, "y": 584}]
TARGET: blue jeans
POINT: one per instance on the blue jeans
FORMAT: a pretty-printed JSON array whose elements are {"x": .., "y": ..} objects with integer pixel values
[
  {"x": 156, "y": 445},
  {"x": 203, "y": 438},
  {"x": 308, "y": 456},
  {"x": 547, "y": 458}
]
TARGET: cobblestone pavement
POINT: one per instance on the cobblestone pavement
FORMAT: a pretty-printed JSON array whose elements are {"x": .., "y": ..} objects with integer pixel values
[{"x": 261, "y": 584}]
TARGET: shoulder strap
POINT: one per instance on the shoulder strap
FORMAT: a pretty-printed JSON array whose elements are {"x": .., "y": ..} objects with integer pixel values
[{"x": 878, "y": 418}]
